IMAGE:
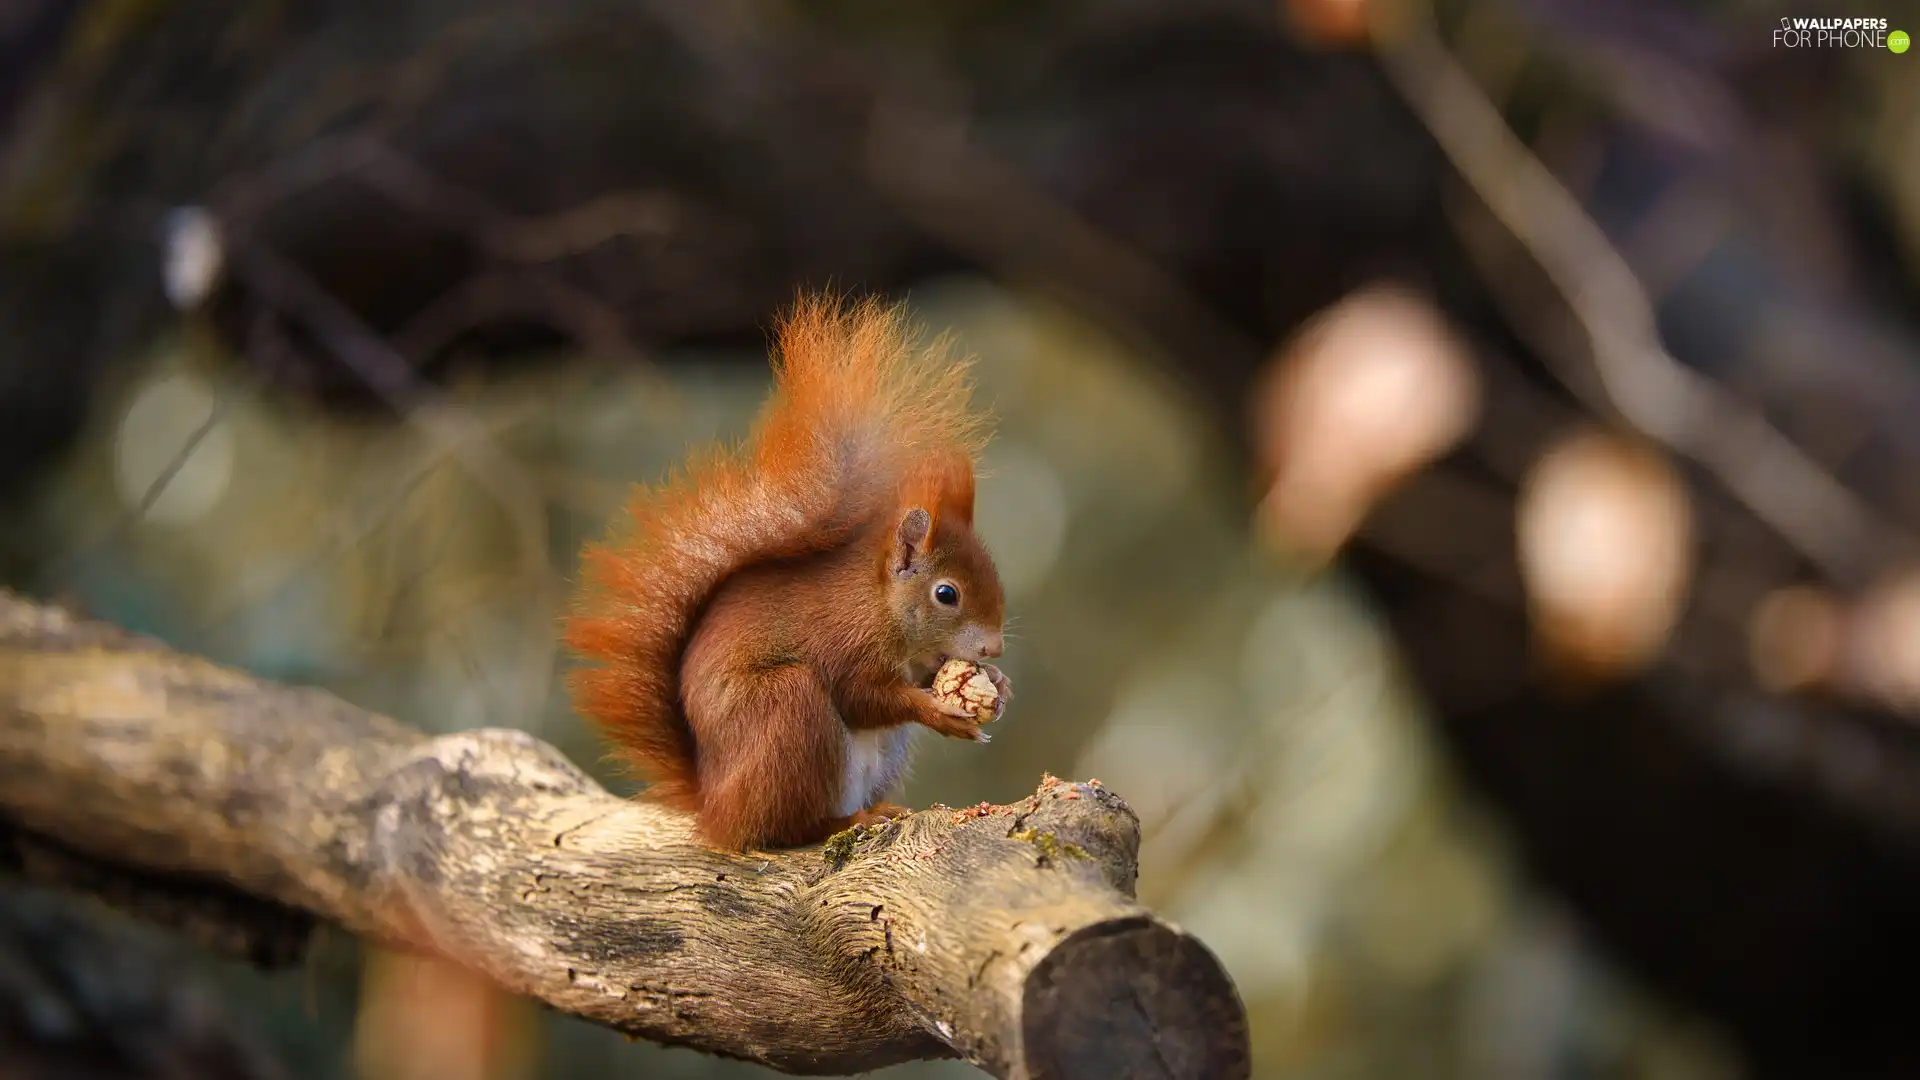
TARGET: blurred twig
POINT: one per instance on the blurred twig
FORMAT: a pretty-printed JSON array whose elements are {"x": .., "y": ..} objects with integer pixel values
[
  {"x": 524, "y": 242},
  {"x": 456, "y": 434},
  {"x": 920, "y": 155},
  {"x": 65, "y": 567},
  {"x": 350, "y": 529}
]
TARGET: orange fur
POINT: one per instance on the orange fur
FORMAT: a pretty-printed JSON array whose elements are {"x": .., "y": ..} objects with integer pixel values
[{"x": 747, "y": 620}]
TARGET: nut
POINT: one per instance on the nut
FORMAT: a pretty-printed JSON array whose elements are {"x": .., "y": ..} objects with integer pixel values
[{"x": 967, "y": 685}]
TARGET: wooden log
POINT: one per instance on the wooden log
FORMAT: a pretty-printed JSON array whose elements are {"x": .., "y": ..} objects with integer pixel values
[{"x": 1007, "y": 935}]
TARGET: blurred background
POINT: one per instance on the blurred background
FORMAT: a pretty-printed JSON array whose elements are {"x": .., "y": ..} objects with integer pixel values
[{"x": 1457, "y": 473}]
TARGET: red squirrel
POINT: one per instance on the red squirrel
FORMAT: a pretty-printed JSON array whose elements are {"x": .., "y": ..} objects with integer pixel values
[{"x": 766, "y": 629}]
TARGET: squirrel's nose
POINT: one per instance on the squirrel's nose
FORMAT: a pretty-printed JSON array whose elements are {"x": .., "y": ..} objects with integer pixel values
[{"x": 993, "y": 644}]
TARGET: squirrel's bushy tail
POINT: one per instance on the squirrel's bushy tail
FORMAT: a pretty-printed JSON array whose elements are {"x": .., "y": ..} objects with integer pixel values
[{"x": 857, "y": 412}]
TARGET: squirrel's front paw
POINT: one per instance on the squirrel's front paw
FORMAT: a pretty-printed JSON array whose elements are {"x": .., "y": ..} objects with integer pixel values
[{"x": 1003, "y": 691}]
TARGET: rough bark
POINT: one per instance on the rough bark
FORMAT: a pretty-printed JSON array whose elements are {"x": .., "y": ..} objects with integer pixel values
[{"x": 1007, "y": 935}]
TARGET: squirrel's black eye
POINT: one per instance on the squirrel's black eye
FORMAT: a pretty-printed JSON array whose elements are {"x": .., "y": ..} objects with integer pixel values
[{"x": 946, "y": 594}]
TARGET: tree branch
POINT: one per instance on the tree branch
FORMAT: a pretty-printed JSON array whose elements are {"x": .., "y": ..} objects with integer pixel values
[{"x": 1007, "y": 935}]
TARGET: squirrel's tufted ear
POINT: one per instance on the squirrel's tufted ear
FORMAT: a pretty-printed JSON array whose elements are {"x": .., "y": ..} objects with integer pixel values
[
  {"x": 943, "y": 484},
  {"x": 910, "y": 540}
]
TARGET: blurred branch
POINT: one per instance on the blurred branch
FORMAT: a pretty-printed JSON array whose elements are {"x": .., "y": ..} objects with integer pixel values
[
  {"x": 522, "y": 242},
  {"x": 1637, "y": 377},
  {"x": 638, "y": 213},
  {"x": 87, "y": 995},
  {"x": 1008, "y": 936},
  {"x": 207, "y": 913}
]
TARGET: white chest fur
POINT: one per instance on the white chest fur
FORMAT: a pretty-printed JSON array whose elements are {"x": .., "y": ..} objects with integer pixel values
[{"x": 876, "y": 758}]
